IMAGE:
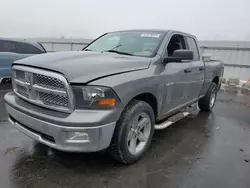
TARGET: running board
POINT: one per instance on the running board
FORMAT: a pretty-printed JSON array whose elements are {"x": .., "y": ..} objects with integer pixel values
[{"x": 171, "y": 120}]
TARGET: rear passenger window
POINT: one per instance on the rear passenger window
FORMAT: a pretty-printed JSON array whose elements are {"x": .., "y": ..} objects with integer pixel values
[
  {"x": 24, "y": 48},
  {"x": 193, "y": 46},
  {"x": 7, "y": 46}
]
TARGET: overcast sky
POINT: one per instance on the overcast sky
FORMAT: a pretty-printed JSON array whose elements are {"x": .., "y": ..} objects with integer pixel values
[{"x": 207, "y": 19}]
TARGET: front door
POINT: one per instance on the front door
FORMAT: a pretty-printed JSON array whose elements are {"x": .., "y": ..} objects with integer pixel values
[{"x": 177, "y": 78}]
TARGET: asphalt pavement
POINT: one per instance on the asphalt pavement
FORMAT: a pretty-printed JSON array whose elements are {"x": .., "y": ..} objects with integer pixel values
[{"x": 204, "y": 150}]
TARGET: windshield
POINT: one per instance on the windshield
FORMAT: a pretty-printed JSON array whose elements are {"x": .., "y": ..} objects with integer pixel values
[{"x": 129, "y": 43}]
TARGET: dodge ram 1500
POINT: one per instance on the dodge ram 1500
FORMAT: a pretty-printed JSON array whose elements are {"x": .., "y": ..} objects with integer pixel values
[{"x": 114, "y": 93}]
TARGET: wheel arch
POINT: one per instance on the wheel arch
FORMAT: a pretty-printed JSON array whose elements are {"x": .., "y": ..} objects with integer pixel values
[
  {"x": 216, "y": 80},
  {"x": 147, "y": 96}
]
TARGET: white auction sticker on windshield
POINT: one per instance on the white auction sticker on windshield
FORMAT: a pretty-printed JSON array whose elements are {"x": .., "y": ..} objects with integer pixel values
[{"x": 150, "y": 35}]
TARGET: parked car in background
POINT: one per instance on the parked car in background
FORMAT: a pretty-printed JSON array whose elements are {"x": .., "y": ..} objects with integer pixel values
[
  {"x": 12, "y": 50},
  {"x": 114, "y": 93}
]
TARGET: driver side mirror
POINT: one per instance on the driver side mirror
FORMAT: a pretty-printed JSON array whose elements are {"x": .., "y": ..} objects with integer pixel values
[{"x": 179, "y": 56}]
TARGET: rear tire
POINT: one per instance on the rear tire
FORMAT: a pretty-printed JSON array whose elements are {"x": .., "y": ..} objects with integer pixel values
[
  {"x": 133, "y": 132},
  {"x": 208, "y": 101}
]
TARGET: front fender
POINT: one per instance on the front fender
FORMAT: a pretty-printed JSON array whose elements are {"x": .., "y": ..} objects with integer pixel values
[{"x": 129, "y": 85}]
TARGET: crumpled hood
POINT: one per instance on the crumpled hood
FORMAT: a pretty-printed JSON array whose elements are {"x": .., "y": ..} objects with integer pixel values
[{"x": 84, "y": 66}]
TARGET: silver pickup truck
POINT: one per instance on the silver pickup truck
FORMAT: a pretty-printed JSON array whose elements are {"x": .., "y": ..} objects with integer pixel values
[{"x": 114, "y": 93}]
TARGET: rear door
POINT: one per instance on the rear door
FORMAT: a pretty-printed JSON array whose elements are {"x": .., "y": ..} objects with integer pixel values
[{"x": 197, "y": 69}]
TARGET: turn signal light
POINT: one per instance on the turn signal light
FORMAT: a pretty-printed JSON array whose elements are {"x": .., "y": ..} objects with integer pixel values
[{"x": 106, "y": 102}]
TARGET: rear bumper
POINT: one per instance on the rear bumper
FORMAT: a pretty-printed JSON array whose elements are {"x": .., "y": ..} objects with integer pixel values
[{"x": 61, "y": 137}]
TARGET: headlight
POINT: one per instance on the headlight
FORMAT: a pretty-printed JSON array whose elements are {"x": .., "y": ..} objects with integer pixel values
[{"x": 94, "y": 97}]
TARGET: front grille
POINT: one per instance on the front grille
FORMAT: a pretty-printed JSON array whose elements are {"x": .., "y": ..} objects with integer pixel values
[
  {"x": 22, "y": 91},
  {"x": 52, "y": 99},
  {"x": 48, "y": 81},
  {"x": 20, "y": 74},
  {"x": 44, "y": 88}
]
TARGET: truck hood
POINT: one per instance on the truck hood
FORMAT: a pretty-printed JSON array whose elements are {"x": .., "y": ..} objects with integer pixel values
[{"x": 83, "y": 66}]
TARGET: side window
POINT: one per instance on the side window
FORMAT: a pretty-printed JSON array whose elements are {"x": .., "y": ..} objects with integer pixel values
[
  {"x": 193, "y": 46},
  {"x": 7, "y": 46},
  {"x": 1, "y": 46},
  {"x": 176, "y": 42},
  {"x": 24, "y": 48}
]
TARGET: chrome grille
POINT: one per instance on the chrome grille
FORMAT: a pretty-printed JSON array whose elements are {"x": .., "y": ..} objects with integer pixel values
[
  {"x": 22, "y": 91},
  {"x": 48, "y": 81},
  {"x": 20, "y": 74},
  {"x": 44, "y": 88},
  {"x": 52, "y": 99}
]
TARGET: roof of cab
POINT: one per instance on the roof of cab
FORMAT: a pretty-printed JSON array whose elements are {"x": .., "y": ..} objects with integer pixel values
[
  {"x": 143, "y": 30},
  {"x": 153, "y": 30}
]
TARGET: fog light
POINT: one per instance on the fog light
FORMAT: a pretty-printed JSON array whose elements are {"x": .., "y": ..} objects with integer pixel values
[{"x": 78, "y": 137}]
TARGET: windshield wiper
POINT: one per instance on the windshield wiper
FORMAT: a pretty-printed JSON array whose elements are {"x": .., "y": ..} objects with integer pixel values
[
  {"x": 87, "y": 50},
  {"x": 116, "y": 47},
  {"x": 119, "y": 52}
]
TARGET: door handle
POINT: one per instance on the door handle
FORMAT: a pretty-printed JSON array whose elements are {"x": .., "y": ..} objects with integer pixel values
[
  {"x": 201, "y": 69},
  {"x": 187, "y": 70}
]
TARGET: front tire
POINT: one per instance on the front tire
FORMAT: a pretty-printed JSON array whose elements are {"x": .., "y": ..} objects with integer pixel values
[
  {"x": 133, "y": 132},
  {"x": 208, "y": 101}
]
